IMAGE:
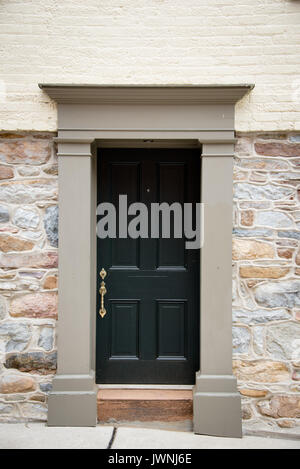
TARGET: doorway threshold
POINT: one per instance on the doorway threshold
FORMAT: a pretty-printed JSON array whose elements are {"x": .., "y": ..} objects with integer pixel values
[{"x": 146, "y": 386}]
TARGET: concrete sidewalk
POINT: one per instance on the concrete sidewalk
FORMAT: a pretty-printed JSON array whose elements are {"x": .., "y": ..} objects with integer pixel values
[{"x": 39, "y": 436}]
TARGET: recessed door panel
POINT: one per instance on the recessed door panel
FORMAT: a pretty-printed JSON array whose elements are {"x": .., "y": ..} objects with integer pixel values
[
  {"x": 124, "y": 317},
  {"x": 124, "y": 180},
  {"x": 171, "y": 340},
  {"x": 172, "y": 188}
]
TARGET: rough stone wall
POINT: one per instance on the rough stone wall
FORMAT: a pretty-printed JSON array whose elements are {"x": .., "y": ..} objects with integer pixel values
[
  {"x": 266, "y": 271},
  {"x": 151, "y": 41},
  {"x": 266, "y": 280},
  {"x": 28, "y": 274}
]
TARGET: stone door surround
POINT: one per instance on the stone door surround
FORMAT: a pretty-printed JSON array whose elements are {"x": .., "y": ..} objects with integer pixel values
[{"x": 89, "y": 117}]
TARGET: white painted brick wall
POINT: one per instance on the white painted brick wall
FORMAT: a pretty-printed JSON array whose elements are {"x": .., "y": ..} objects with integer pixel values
[{"x": 151, "y": 41}]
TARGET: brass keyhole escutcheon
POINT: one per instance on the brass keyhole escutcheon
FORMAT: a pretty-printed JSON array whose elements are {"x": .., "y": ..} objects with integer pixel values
[{"x": 102, "y": 291}]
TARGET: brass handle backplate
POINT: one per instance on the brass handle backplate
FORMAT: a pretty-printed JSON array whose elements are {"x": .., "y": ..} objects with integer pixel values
[{"x": 102, "y": 291}]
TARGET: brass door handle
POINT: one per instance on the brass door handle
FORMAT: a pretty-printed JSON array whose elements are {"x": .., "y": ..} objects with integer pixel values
[{"x": 102, "y": 291}]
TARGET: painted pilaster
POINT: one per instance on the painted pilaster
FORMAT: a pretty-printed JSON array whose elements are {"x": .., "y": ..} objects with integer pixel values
[
  {"x": 72, "y": 401},
  {"x": 217, "y": 403}
]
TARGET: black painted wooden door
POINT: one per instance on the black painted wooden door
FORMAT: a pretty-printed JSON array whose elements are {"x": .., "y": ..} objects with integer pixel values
[{"x": 150, "y": 333}]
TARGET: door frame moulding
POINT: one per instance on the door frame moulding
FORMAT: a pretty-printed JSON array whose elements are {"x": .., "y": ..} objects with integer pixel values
[{"x": 91, "y": 116}]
